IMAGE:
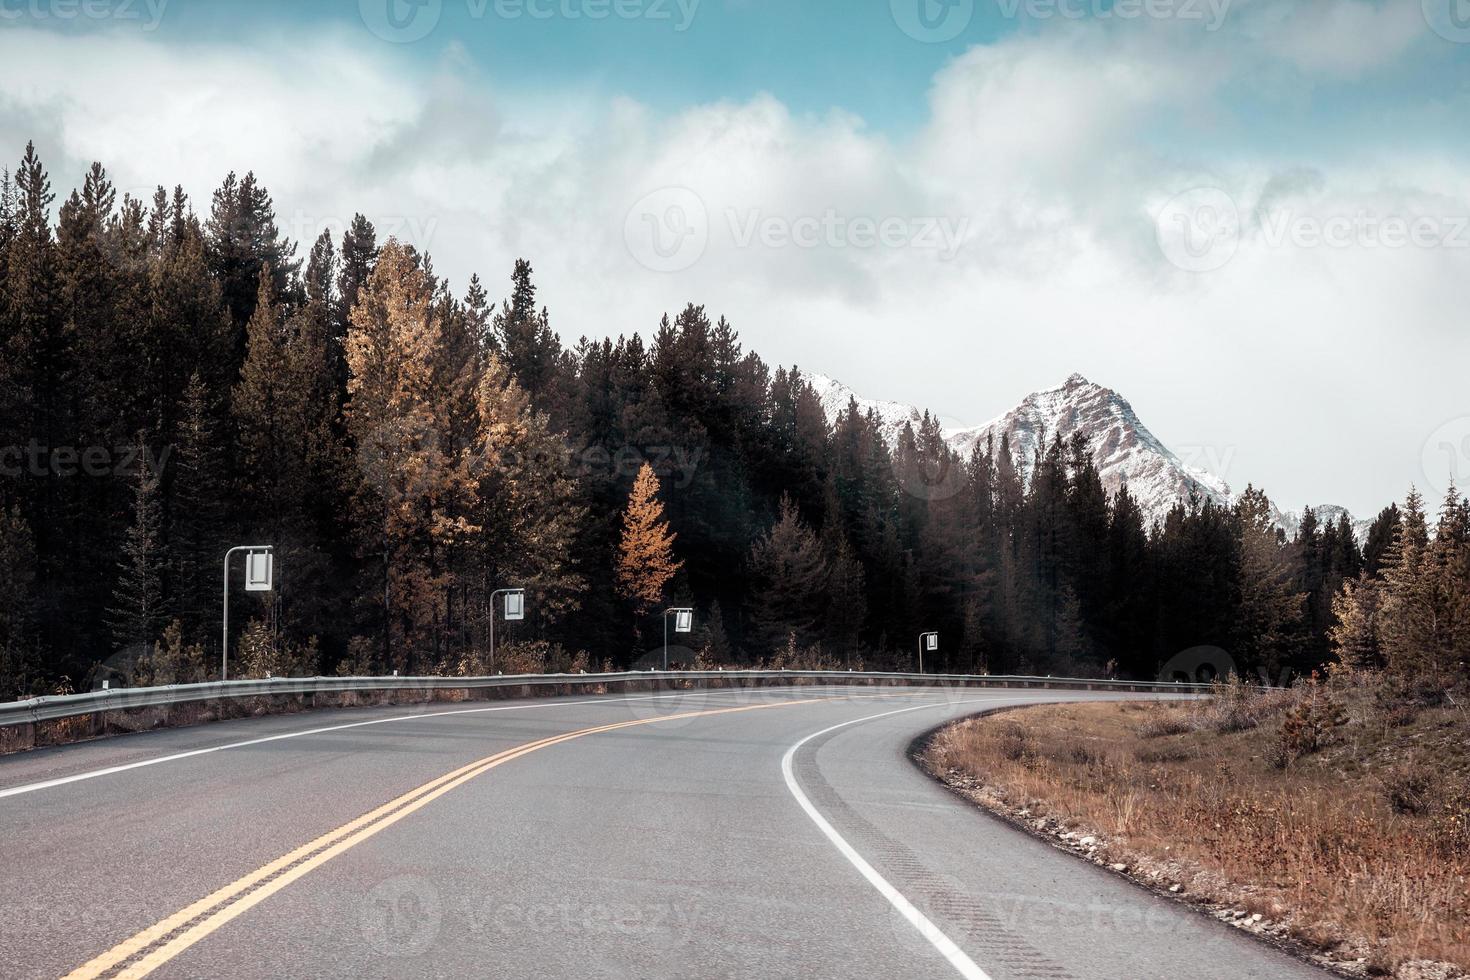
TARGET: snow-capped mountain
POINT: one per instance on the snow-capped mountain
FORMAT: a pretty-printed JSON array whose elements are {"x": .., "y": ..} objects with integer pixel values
[
  {"x": 1124, "y": 448},
  {"x": 892, "y": 416}
]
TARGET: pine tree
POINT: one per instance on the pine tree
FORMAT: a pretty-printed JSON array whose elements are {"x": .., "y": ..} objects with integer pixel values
[
  {"x": 479, "y": 317},
  {"x": 646, "y": 561},
  {"x": 268, "y": 407},
  {"x": 138, "y": 612},
  {"x": 1380, "y": 538},
  {"x": 716, "y": 651},
  {"x": 37, "y": 357},
  {"x": 359, "y": 254},
  {"x": 790, "y": 582},
  {"x": 18, "y": 640},
  {"x": 847, "y": 604},
  {"x": 197, "y": 516},
  {"x": 1270, "y": 610},
  {"x": 525, "y": 337},
  {"x": 1355, "y": 634},
  {"x": 242, "y": 240},
  {"x": 1409, "y": 618}
]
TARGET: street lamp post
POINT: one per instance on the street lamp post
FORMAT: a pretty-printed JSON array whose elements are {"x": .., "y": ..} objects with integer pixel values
[
  {"x": 260, "y": 562},
  {"x": 515, "y": 611},
  {"x": 683, "y": 623},
  {"x": 930, "y": 642}
]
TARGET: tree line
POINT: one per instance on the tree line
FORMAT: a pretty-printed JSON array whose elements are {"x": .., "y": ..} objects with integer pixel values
[{"x": 175, "y": 381}]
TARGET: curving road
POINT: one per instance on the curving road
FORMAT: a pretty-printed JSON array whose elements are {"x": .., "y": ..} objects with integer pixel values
[{"x": 769, "y": 833}]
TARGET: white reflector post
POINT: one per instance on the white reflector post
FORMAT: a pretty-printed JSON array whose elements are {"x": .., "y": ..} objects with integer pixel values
[
  {"x": 515, "y": 606},
  {"x": 259, "y": 566}
]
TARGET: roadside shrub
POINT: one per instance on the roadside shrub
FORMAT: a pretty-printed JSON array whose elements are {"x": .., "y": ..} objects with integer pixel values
[
  {"x": 1409, "y": 789},
  {"x": 1238, "y": 706},
  {"x": 1409, "y": 692},
  {"x": 1015, "y": 744},
  {"x": 794, "y": 657},
  {"x": 1081, "y": 754},
  {"x": 1451, "y": 825},
  {"x": 1401, "y": 716},
  {"x": 519, "y": 657},
  {"x": 1307, "y": 727},
  {"x": 1163, "y": 724},
  {"x": 171, "y": 661},
  {"x": 261, "y": 654}
]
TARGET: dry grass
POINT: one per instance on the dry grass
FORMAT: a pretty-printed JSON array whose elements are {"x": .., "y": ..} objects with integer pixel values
[{"x": 1340, "y": 812}]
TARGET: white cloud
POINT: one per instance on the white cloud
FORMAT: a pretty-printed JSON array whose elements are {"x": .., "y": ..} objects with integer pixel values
[{"x": 1049, "y": 151}]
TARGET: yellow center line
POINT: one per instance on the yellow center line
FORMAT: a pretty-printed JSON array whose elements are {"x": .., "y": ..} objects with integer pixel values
[{"x": 241, "y": 895}]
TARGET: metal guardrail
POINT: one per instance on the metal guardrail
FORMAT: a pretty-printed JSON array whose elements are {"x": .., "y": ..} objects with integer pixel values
[{"x": 51, "y": 708}]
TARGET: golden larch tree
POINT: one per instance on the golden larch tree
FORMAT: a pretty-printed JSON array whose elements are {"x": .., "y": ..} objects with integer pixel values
[
  {"x": 646, "y": 559},
  {"x": 416, "y": 486}
]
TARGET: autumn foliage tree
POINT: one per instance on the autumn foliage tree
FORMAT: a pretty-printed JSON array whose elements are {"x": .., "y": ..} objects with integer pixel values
[
  {"x": 527, "y": 512},
  {"x": 415, "y": 490},
  {"x": 1414, "y": 617},
  {"x": 646, "y": 561}
]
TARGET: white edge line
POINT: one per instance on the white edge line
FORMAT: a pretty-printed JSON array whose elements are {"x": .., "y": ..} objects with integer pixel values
[{"x": 947, "y": 948}]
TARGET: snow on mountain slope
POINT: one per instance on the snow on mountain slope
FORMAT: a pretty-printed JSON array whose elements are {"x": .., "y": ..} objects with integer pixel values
[
  {"x": 892, "y": 416},
  {"x": 1290, "y": 521},
  {"x": 1123, "y": 447}
]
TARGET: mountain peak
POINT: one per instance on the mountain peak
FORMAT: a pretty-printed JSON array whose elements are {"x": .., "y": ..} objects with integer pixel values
[{"x": 1123, "y": 448}]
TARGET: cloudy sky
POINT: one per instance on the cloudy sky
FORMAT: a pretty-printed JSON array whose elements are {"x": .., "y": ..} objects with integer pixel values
[{"x": 1250, "y": 217}]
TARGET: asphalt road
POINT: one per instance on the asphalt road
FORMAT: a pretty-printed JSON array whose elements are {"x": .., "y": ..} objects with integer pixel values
[{"x": 769, "y": 833}]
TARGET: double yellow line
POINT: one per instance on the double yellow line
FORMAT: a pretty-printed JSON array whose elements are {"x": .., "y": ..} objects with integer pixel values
[{"x": 141, "y": 954}]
